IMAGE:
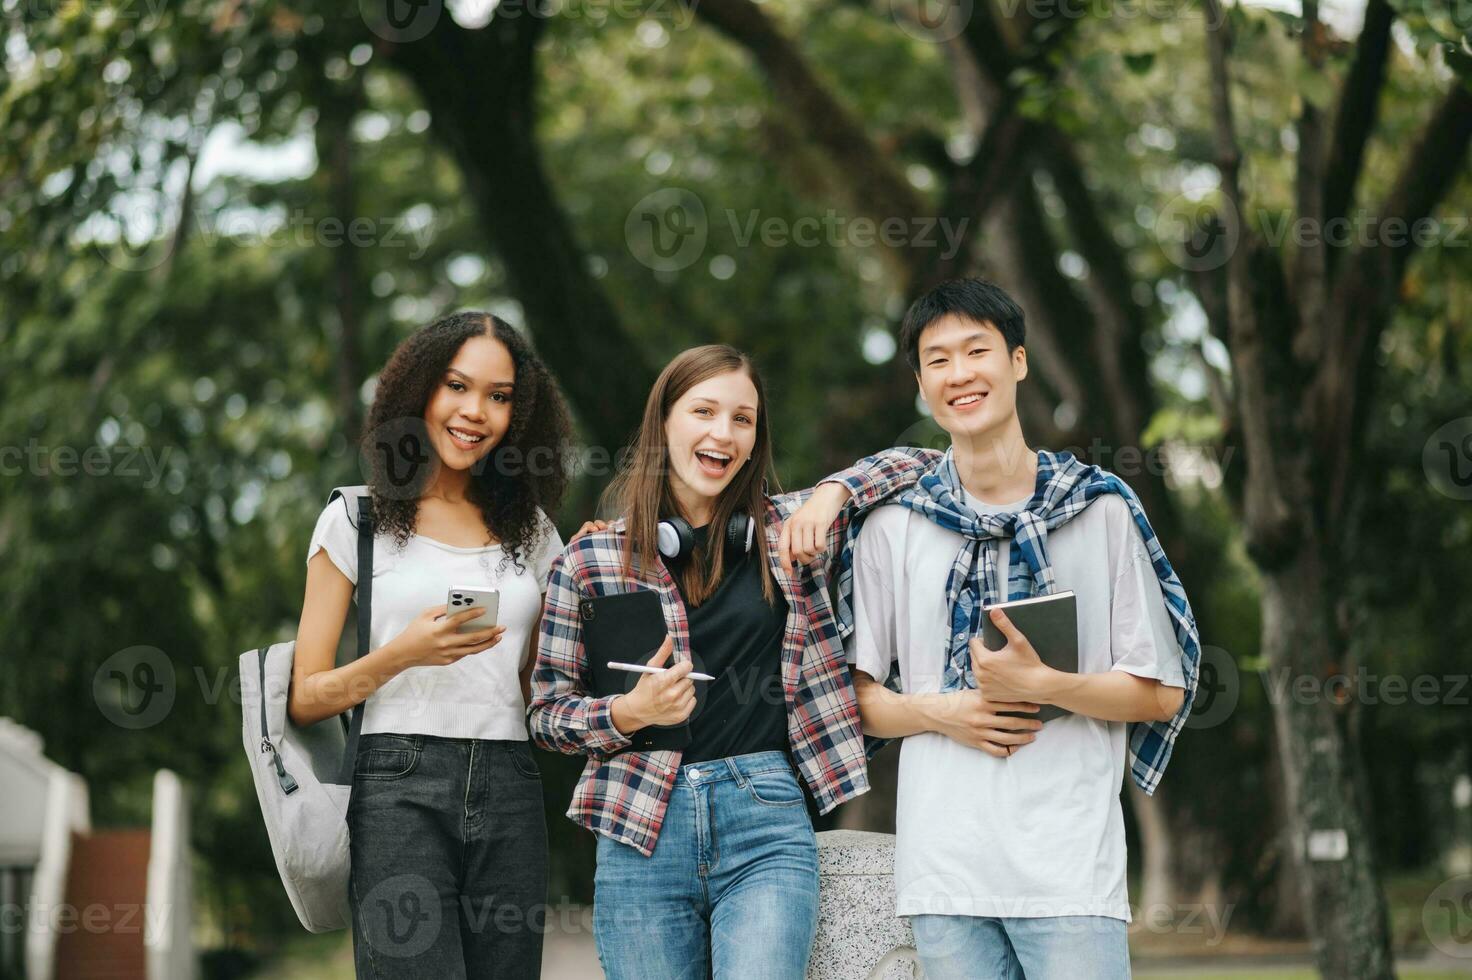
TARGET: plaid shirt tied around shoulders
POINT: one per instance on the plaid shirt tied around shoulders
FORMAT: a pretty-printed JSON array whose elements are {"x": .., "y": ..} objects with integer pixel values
[{"x": 1064, "y": 489}]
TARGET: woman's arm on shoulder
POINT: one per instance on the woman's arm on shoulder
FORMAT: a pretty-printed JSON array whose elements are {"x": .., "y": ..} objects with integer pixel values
[{"x": 816, "y": 520}]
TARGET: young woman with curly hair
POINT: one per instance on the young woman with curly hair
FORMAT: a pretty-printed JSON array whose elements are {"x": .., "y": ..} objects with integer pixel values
[{"x": 465, "y": 444}]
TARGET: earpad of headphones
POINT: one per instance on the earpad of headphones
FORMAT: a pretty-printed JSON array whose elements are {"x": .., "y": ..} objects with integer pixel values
[
  {"x": 739, "y": 532},
  {"x": 676, "y": 537}
]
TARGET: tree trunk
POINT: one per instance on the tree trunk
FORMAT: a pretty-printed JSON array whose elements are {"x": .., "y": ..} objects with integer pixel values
[
  {"x": 1346, "y": 909},
  {"x": 1287, "y": 918},
  {"x": 1157, "y": 887},
  {"x": 335, "y": 150},
  {"x": 481, "y": 86}
]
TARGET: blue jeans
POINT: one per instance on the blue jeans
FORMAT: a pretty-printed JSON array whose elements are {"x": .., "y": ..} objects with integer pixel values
[
  {"x": 731, "y": 890},
  {"x": 1047, "y": 948},
  {"x": 448, "y": 849}
]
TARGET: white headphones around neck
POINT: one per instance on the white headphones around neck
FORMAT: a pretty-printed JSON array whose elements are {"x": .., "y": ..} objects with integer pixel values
[{"x": 677, "y": 537}]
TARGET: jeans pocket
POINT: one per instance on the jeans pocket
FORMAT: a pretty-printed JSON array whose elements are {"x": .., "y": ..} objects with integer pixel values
[
  {"x": 522, "y": 760},
  {"x": 777, "y": 787},
  {"x": 386, "y": 757}
]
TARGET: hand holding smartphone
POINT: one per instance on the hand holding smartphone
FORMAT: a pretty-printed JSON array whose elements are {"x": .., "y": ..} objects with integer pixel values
[{"x": 462, "y": 598}]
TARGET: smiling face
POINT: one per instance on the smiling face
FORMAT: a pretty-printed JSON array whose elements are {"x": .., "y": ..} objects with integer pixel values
[
  {"x": 469, "y": 413},
  {"x": 710, "y": 432},
  {"x": 967, "y": 377}
]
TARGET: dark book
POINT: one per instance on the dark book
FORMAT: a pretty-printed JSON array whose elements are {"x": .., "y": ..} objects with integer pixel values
[
  {"x": 628, "y": 628},
  {"x": 1050, "y": 623}
]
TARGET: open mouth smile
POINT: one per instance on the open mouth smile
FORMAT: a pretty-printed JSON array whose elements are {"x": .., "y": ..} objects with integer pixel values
[
  {"x": 713, "y": 463},
  {"x": 465, "y": 438},
  {"x": 967, "y": 401}
]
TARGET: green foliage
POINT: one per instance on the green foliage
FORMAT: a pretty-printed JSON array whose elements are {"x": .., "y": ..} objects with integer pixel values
[{"x": 201, "y": 334}]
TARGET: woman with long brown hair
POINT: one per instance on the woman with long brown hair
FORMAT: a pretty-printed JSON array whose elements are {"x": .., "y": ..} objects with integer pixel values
[{"x": 707, "y": 859}]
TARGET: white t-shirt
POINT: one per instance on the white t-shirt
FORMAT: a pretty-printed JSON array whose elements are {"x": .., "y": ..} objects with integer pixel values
[
  {"x": 478, "y": 696},
  {"x": 1041, "y": 832}
]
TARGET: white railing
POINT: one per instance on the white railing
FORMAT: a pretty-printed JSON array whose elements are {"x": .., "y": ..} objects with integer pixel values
[
  {"x": 67, "y": 812},
  {"x": 168, "y": 941}
]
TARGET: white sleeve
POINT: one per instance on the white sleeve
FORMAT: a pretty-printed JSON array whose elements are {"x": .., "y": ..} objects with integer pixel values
[
  {"x": 872, "y": 647},
  {"x": 337, "y": 535},
  {"x": 551, "y": 547},
  {"x": 1142, "y": 640}
]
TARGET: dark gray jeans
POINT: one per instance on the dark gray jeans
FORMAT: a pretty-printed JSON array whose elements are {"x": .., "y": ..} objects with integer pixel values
[{"x": 449, "y": 858}]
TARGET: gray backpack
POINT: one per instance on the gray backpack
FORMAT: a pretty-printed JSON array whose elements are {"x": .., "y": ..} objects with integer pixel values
[{"x": 304, "y": 775}]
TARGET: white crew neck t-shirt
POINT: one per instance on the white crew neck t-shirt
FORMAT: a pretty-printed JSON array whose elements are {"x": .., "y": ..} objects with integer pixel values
[
  {"x": 478, "y": 696},
  {"x": 1041, "y": 832}
]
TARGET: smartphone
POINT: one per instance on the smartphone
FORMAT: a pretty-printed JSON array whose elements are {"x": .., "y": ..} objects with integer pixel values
[{"x": 464, "y": 598}]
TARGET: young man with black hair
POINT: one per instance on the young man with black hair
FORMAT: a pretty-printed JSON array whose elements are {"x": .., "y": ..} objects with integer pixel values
[{"x": 1010, "y": 855}]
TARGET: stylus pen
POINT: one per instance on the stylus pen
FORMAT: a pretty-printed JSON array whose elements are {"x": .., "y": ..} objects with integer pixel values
[{"x": 641, "y": 669}]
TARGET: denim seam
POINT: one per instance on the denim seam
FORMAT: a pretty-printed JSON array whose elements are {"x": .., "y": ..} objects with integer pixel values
[
  {"x": 367, "y": 942},
  {"x": 715, "y": 843},
  {"x": 760, "y": 772},
  {"x": 465, "y": 814}
]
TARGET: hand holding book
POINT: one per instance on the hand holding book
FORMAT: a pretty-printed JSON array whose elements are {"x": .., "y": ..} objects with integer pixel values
[
  {"x": 1008, "y": 667},
  {"x": 1013, "y": 673},
  {"x": 1028, "y": 651}
]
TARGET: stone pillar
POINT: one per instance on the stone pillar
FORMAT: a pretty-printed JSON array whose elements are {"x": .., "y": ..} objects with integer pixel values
[{"x": 859, "y": 935}]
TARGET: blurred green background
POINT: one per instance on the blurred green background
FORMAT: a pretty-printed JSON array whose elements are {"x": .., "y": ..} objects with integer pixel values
[{"x": 219, "y": 217}]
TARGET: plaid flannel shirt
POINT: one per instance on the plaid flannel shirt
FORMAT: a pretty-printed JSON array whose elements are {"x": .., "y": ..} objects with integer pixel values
[{"x": 623, "y": 796}]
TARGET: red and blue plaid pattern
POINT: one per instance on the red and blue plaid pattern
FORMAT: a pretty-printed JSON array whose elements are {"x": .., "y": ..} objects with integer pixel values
[{"x": 623, "y": 796}]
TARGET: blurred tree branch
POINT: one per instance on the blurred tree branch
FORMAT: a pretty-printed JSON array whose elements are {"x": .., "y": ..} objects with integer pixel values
[{"x": 480, "y": 86}]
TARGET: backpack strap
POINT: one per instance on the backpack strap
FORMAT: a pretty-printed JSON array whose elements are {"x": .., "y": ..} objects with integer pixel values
[{"x": 365, "y": 624}]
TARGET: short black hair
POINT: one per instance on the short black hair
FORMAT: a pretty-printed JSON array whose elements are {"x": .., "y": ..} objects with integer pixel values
[{"x": 974, "y": 299}]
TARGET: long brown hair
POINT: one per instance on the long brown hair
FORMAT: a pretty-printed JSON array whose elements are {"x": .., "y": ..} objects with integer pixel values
[{"x": 641, "y": 491}]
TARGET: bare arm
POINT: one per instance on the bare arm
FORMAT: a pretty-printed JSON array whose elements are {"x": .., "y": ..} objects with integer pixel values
[
  {"x": 319, "y": 690},
  {"x": 964, "y": 716},
  {"x": 1016, "y": 673},
  {"x": 531, "y": 660},
  {"x": 1114, "y": 695}
]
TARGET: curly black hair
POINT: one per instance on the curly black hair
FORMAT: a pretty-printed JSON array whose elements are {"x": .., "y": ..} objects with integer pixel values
[{"x": 525, "y": 471}]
